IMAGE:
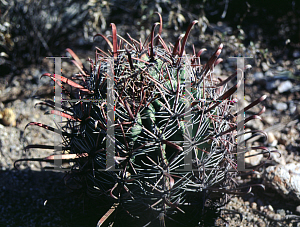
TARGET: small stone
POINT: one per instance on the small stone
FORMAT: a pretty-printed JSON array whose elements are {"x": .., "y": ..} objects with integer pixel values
[
  {"x": 285, "y": 86},
  {"x": 283, "y": 139},
  {"x": 8, "y": 117},
  {"x": 281, "y": 212},
  {"x": 269, "y": 73},
  {"x": 254, "y": 160},
  {"x": 280, "y": 106},
  {"x": 296, "y": 54},
  {"x": 269, "y": 119},
  {"x": 293, "y": 107},
  {"x": 278, "y": 158},
  {"x": 265, "y": 66},
  {"x": 298, "y": 209},
  {"x": 271, "y": 137},
  {"x": 270, "y": 208},
  {"x": 247, "y": 135},
  {"x": 293, "y": 131},
  {"x": 254, "y": 206},
  {"x": 277, "y": 134},
  {"x": 261, "y": 223},
  {"x": 277, "y": 217},
  {"x": 258, "y": 76},
  {"x": 280, "y": 68},
  {"x": 255, "y": 124},
  {"x": 272, "y": 84},
  {"x": 271, "y": 215},
  {"x": 272, "y": 141},
  {"x": 285, "y": 179}
]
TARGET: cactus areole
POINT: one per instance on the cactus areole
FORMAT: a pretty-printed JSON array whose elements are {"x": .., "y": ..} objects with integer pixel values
[{"x": 150, "y": 130}]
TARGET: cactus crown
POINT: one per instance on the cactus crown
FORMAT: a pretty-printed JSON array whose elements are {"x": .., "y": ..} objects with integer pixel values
[{"x": 174, "y": 134}]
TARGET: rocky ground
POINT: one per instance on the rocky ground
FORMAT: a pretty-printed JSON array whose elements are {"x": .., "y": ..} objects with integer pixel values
[{"x": 30, "y": 196}]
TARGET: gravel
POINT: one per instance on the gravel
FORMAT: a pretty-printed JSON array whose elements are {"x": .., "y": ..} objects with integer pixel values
[{"x": 285, "y": 179}]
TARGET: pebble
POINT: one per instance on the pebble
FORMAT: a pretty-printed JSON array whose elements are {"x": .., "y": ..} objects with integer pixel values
[
  {"x": 247, "y": 135},
  {"x": 254, "y": 160},
  {"x": 277, "y": 217},
  {"x": 265, "y": 66},
  {"x": 254, "y": 205},
  {"x": 285, "y": 179},
  {"x": 279, "y": 68},
  {"x": 280, "y": 106},
  {"x": 281, "y": 212},
  {"x": 271, "y": 215},
  {"x": 255, "y": 124},
  {"x": 272, "y": 141},
  {"x": 265, "y": 210},
  {"x": 283, "y": 139},
  {"x": 268, "y": 119},
  {"x": 293, "y": 131},
  {"x": 258, "y": 76},
  {"x": 272, "y": 84},
  {"x": 285, "y": 86},
  {"x": 296, "y": 54},
  {"x": 278, "y": 158},
  {"x": 8, "y": 117},
  {"x": 298, "y": 209},
  {"x": 269, "y": 73},
  {"x": 270, "y": 208},
  {"x": 261, "y": 223},
  {"x": 293, "y": 107}
]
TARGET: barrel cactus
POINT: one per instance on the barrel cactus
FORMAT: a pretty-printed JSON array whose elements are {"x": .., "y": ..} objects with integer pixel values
[{"x": 173, "y": 131}]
